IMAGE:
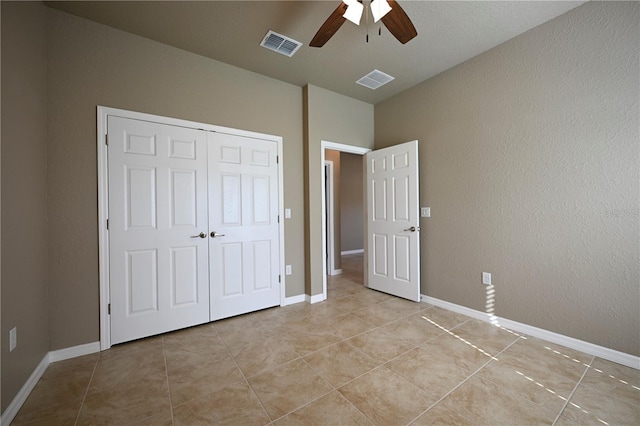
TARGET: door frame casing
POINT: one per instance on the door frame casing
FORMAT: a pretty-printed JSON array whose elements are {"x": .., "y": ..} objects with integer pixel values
[
  {"x": 350, "y": 149},
  {"x": 330, "y": 221},
  {"x": 103, "y": 198}
]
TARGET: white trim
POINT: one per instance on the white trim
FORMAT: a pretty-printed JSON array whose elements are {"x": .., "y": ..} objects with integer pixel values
[
  {"x": 329, "y": 218},
  {"x": 281, "y": 217},
  {"x": 348, "y": 252},
  {"x": 560, "y": 339},
  {"x": 15, "y": 405},
  {"x": 49, "y": 358},
  {"x": 342, "y": 148},
  {"x": 336, "y": 272},
  {"x": 294, "y": 299},
  {"x": 315, "y": 298},
  {"x": 103, "y": 197},
  {"x": 74, "y": 352}
]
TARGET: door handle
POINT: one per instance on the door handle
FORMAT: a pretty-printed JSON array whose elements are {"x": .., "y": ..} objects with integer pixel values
[
  {"x": 200, "y": 235},
  {"x": 215, "y": 234},
  {"x": 412, "y": 229}
]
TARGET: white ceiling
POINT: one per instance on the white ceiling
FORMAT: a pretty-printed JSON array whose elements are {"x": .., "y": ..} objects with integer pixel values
[{"x": 449, "y": 32}]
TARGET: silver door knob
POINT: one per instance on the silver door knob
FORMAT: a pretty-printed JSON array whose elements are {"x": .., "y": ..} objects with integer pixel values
[
  {"x": 215, "y": 234},
  {"x": 412, "y": 229},
  {"x": 200, "y": 235}
]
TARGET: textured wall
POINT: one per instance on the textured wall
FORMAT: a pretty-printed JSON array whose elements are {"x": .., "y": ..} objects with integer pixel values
[
  {"x": 352, "y": 202},
  {"x": 330, "y": 117},
  {"x": 24, "y": 192},
  {"x": 529, "y": 160},
  {"x": 90, "y": 64}
]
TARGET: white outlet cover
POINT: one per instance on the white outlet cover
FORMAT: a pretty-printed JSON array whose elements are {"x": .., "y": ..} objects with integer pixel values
[
  {"x": 486, "y": 278},
  {"x": 287, "y": 213}
]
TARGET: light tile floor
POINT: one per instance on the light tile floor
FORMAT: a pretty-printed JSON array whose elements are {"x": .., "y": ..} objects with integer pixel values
[{"x": 361, "y": 357}]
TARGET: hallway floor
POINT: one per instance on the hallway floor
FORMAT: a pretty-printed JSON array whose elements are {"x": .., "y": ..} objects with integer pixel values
[{"x": 361, "y": 357}]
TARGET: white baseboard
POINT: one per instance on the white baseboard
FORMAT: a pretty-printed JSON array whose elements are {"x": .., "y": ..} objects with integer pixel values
[
  {"x": 347, "y": 252},
  {"x": 336, "y": 272},
  {"x": 315, "y": 298},
  {"x": 303, "y": 298},
  {"x": 294, "y": 299},
  {"x": 23, "y": 394},
  {"x": 560, "y": 339},
  {"x": 74, "y": 352},
  {"x": 50, "y": 357}
]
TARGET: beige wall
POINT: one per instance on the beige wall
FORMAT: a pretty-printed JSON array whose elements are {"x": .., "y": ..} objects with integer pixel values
[
  {"x": 352, "y": 202},
  {"x": 24, "y": 193},
  {"x": 91, "y": 64},
  {"x": 330, "y": 117},
  {"x": 529, "y": 160}
]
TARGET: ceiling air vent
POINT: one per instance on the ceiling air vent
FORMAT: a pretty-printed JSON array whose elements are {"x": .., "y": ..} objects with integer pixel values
[
  {"x": 281, "y": 44},
  {"x": 375, "y": 79}
]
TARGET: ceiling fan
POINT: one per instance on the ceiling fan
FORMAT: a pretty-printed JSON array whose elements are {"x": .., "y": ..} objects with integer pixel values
[{"x": 392, "y": 15}]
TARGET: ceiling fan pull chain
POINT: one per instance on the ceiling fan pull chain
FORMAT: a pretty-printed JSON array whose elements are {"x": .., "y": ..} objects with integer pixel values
[{"x": 366, "y": 13}]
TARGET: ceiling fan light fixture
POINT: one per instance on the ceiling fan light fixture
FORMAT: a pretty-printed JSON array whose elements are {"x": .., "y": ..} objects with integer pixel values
[
  {"x": 354, "y": 11},
  {"x": 379, "y": 8}
]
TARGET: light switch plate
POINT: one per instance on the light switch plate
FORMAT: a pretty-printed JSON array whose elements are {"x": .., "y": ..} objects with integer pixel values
[
  {"x": 287, "y": 213},
  {"x": 425, "y": 212}
]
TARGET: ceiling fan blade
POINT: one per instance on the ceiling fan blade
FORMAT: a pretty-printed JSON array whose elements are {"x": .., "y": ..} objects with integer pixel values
[
  {"x": 330, "y": 26},
  {"x": 398, "y": 23}
]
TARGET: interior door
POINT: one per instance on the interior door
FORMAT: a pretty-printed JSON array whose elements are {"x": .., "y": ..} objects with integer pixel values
[
  {"x": 244, "y": 229},
  {"x": 393, "y": 232},
  {"x": 158, "y": 255}
]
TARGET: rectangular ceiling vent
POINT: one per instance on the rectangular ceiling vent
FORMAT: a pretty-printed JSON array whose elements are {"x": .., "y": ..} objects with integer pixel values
[
  {"x": 375, "y": 79},
  {"x": 281, "y": 44}
]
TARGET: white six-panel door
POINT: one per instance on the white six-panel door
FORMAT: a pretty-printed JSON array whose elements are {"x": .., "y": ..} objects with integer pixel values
[
  {"x": 393, "y": 230},
  {"x": 159, "y": 276},
  {"x": 243, "y": 219}
]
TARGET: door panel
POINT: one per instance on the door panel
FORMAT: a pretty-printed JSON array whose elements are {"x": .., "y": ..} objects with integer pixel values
[
  {"x": 392, "y": 220},
  {"x": 243, "y": 212},
  {"x": 159, "y": 277}
]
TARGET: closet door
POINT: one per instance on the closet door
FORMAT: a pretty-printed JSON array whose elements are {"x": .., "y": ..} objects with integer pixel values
[
  {"x": 158, "y": 234},
  {"x": 243, "y": 224}
]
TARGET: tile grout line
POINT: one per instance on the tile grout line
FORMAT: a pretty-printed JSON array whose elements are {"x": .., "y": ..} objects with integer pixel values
[
  {"x": 166, "y": 373},
  {"x": 86, "y": 392},
  {"x": 345, "y": 340},
  {"x": 465, "y": 380},
  {"x": 335, "y": 389},
  {"x": 575, "y": 388},
  {"x": 244, "y": 375}
]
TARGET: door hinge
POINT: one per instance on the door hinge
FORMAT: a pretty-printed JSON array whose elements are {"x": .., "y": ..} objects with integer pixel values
[
  {"x": 279, "y": 278},
  {"x": 277, "y": 159},
  {"x": 107, "y": 224},
  {"x": 106, "y": 139},
  {"x": 109, "y": 309},
  {"x": 278, "y": 218}
]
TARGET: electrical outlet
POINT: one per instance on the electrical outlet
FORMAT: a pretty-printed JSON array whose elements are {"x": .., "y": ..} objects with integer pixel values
[
  {"x": 287, "y": 269},
  {"x": 486, "y": 278},
  {"x": 13, "y": 338},
  {"x": 425, "y": 212},
  {"x": 287, "y": 213}
]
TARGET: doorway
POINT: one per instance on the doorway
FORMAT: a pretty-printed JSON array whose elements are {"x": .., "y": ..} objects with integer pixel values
[{"x": 328, "y": 229}]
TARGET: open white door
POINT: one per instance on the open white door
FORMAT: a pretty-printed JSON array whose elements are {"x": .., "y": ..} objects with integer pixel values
[
  {"x": 159, "y": 277},
  {"x": 393, "y": 232}
]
